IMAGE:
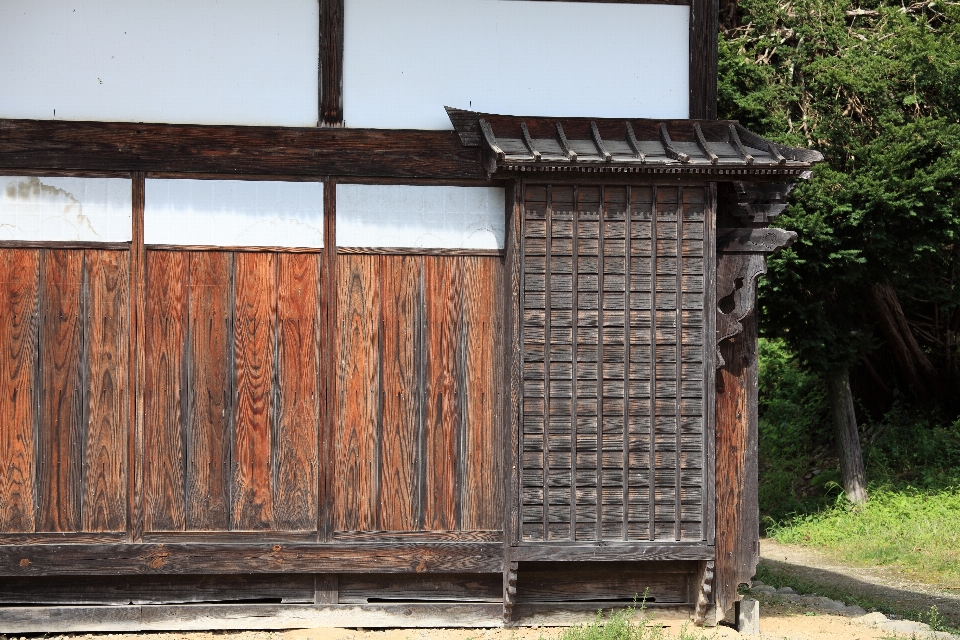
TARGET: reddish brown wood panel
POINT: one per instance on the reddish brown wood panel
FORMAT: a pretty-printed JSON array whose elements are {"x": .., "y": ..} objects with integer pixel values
[
  {"x": 482, "y": 492},
  {"x": 402, "y": 383},
  {"x": 105, "y": 457},
  {"x": 210, "y": 334},
  {"x": 164, "y": 393},
  {"x": 358, "y": 385},
  {"x": 61, "y": 406},
  {"x": 19, "y": 285},
  {"x": 736, "y": 450},
  {"x": 255, "y": 316},
  {"x": 443, "y": 291},
  {"x": 298, "y": 392}
]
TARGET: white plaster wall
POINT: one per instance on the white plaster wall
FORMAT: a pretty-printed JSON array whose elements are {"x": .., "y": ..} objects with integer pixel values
[
  {"x": 233, "y": 213},
  {"x": 403, "y": 61},
  {"x": 181, "y": 61},
  {"x": 66, "y": 209},
  {"x": 406, "y": 216}
]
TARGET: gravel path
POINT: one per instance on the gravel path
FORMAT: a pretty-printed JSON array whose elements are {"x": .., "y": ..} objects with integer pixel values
[{"x": 876, "y": 583}]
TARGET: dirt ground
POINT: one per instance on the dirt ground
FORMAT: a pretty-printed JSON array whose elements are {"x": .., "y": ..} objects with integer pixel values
[{"x": 777, "y": 622}]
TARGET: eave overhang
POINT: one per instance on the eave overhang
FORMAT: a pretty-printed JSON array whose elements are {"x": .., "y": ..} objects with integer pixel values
[{"x": 582, "y": 145}]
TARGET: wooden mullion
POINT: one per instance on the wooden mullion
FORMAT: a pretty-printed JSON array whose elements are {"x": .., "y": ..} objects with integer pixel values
[
  {"x": 626, "y": 365},
  {"x": 709, "y": 365},
  {"x": 137, "y": 345},
  {"x": 574, "y": 323},
  {"x": 600, "y": 268},
  {"x": 678, "y": 399},
  {"x": 653, "y": 361},
  {"x": 545, "y": 466}
]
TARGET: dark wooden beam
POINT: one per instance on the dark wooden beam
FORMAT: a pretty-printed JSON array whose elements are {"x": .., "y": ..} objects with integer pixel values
[
  {"x": 288, "y": 151},
  {"x": 331, "y": 63},
  {"x": 704, "y": 20},
  {"x": 185, "y": 558}
]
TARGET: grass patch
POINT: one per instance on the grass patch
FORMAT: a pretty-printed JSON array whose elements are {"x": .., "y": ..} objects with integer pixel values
[
  {"x": 913, "y": 531},
  {"x": 622, "y": 625}
]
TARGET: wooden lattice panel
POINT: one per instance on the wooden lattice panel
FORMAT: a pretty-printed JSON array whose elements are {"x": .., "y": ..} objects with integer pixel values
[{"x": 613, "y": 362}]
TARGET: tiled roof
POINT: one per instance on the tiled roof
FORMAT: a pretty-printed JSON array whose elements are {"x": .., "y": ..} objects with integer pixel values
[{"x": 721, "y": 147}]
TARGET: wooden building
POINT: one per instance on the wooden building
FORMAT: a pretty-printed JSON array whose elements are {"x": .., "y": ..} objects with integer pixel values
[{"x": 282, "y": 349}]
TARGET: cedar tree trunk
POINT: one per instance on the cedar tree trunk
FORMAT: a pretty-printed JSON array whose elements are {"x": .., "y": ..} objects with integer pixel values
[{"x": 848, "y": 438}]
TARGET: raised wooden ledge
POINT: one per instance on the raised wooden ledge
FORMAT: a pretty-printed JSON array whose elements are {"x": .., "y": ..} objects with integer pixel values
[
  {"x": 201, "y": 558},
  {"x": 299, "y": 616}
]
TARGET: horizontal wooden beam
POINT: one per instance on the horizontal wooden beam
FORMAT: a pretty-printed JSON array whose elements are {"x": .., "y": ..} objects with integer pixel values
[
  {"x": 118, "y": 146},
  {"x": 298, "y": 616},
  {"x": 617, "y": 552},
  {"x": 200, "y": 558}
]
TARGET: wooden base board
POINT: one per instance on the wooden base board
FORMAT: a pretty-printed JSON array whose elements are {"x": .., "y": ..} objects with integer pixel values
[{"x": 279, "y": 616}]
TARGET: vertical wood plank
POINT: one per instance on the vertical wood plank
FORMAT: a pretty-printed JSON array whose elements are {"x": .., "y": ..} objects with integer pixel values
[
  {"x": 255, "y": 315},
  {"x": 401, "y": 389},
  {"x": 298, "y": 379},
  {"x": 164, "y": 390},
  {"x": 358, "y": 386},
  {"x": 210, "y": 329},
  {"x": 329, "y": 331},
  {"x": 105, "y": 467},
  {"x": 482, "y": 494},
  {"x": 331, "y": 63},
  {"x": 443, "y": 293},
  {"x": 61, "y": 424},
  {"x": 19, "y": 288},
  {"x": 704, "y": 16},
  {"x": 137, "y": 350}
]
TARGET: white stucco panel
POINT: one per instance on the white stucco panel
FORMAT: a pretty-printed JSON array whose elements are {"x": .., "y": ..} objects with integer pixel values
[
  {"x": 420, "y": 217},
  {"x": 180, "y": 61},
  {"x": 66, "y": 209},
  {"x": 233, "y": 213},
  {"x": 403, "y": 61}
]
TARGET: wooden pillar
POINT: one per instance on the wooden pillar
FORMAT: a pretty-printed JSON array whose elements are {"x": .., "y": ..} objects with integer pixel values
[{"x": 738, "y": 526}]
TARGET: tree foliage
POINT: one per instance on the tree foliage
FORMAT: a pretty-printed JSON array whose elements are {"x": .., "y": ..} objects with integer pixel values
[{"x": 876, "y": 88}]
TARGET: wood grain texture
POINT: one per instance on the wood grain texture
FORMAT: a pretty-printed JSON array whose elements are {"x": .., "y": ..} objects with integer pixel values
[
  {"x": 704, "y": 17},
  {"x": 62, "y": 403},
  {"x": 105, "y": 456},
  {"x": 212, "y": 558},
  {"x": 254, "y": 422},
  {"x": 401, "y": 354},
  {"x": 329, "y": 378},
  {"x": 164, "y": 391},
  {"x": 738, "y": 530},
  {"x": 482, "y": 493},
  {"x": 331, "y": 63},
  {"x": 288, "y": 151},
  {"x": 358, "y": 382},
  {"x": 210, "y": 336},
  {"x": 137, "y": 351},
  {"x": 443, "y": 293},
  {"x": 298, "y": 390},
  {"x": 19, "y": 289}
]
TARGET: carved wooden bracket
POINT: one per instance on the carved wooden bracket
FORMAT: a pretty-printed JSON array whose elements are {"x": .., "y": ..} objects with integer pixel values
[
  {"x": 741, "y": 260},
  {"x": 509, "y": 591},
  {"x": 760, "y": 203}
]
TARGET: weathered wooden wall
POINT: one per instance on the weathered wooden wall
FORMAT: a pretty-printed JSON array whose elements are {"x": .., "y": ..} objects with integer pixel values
[
  {"x": 419, "y": 436},
  {"x": 64, "y": 381},
  {"x": 234, "y": 393},
  {"x": 614, "y": 440}
]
